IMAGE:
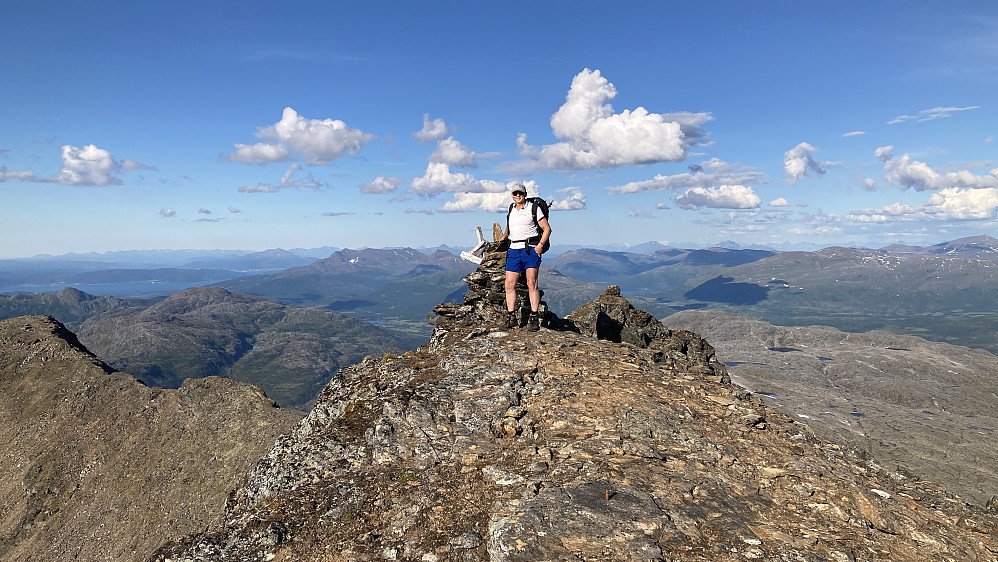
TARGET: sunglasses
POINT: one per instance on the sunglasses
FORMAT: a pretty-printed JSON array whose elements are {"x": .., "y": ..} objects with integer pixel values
[{"x": 520, "y": 193}]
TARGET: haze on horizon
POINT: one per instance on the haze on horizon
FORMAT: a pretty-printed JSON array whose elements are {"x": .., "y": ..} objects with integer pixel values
[{"x": 130, "y": 126}]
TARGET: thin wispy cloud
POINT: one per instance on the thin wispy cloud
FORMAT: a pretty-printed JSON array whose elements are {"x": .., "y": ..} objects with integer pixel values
[
  {"x": 709, "y": 173},
  {"x": 300, "y": 55},
  {"x": 288, "y": 181},
  {"x": 930, "y": 114}
]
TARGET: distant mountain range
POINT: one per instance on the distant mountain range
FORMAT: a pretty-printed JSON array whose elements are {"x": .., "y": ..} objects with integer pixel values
[
  {"x": 134, "y": 273},
  {"x": 399, "y": 285},
  {"x": 946, "y": 291},
  {"x": 288, "y": 351},
  {"x": 982, "y": 246},
  {"x": 940, "y": 296},
  {"x": 662, "y": 269}
]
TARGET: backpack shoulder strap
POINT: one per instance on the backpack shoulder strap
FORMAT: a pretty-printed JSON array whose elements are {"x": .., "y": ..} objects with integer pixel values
[{"x": 538, "y": 202}]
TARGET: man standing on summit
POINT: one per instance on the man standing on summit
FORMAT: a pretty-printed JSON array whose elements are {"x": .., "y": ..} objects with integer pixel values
[{"x": 528, "y": 232}]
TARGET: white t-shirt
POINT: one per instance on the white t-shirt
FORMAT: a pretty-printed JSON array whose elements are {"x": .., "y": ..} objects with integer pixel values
[{"x": 521, "y": 226}]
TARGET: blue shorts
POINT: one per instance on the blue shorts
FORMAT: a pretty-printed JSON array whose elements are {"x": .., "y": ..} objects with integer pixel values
[{"x": 521, "y": 259}]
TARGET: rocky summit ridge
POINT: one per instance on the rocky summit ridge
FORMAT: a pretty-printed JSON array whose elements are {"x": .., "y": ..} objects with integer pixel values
[{"x": 604, "y": 436}]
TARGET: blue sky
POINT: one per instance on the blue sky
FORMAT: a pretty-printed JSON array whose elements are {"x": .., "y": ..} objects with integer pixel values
[{"x": 254, "y": 125}]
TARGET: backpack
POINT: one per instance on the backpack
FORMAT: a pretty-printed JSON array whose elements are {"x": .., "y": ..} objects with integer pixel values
[{"x": 534, "y": 203}]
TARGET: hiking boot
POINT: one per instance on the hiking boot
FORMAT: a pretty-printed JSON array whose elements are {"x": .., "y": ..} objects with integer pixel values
[
  {"x": 509, "y": 323},
  {"x": 533, "y": 323}
]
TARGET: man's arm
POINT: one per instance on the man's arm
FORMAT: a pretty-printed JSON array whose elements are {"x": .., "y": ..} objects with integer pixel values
[{"x": 545, "y": 235}]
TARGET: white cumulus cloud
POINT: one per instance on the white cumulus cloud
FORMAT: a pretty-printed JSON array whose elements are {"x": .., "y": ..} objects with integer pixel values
[
  {"x": 963, "y": 204},
  {"x": 453, "y": 153},
  {"x": 89, "y": 165},
  {"x": 381, "y": 184},
  {"x": 433, "y": 130},
  {"x": 466, "y": 202},
  {"x": 884, "y": 153},
  {"x": 167, "y": 213},
  {"x": 497, "y": 198},
  {"x": 318, "y": 141},
  {"x": 780, "y": 202},
  {"x": 721, "y": 197},
  {"x": 595, "y": 136},
  {"x": 438, "y": 178},
  {"x": 907, "y": 173},
  {"x": 261, "y": 153},
  {"x": 948, "y": 204},
  {"x": 797, "y": 162},
  {"x": 574, "y": 199}
]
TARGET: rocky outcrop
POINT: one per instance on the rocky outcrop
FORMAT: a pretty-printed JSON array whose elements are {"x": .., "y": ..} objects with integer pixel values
[
  {"x": 96, "y": 466},
  {"x": 558, "y": 445},
  {"x": 611, "y": 317}
]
